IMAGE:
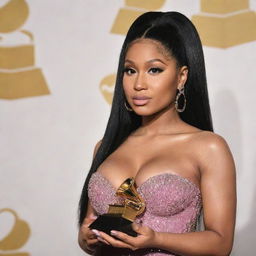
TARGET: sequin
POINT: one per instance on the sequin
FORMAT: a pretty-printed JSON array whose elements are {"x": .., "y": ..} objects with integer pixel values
[{"x": 173, "y": 205}]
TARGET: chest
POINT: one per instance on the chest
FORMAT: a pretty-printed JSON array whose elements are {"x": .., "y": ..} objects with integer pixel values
[
  {"x": 164, "y": 194},
  {"x": 143, "y": 159}
]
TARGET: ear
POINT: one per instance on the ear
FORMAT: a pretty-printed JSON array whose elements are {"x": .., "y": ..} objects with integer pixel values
[{"x": 182, "y": 76}]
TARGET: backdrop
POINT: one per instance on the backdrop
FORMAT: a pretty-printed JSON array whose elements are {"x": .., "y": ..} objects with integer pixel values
[{"x": 57, "y": 68}]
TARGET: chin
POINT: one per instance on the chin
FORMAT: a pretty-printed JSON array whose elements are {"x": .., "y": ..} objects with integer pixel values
[{"x": 143, "y": 112}]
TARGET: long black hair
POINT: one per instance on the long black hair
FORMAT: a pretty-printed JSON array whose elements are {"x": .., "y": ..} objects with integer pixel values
[{"x": 179, "y": 36}]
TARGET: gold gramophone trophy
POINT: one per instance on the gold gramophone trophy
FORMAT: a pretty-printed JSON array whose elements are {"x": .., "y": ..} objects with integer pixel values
[{"x": 120, "y": 217}]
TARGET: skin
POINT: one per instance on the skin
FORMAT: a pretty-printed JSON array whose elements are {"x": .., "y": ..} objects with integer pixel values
[{"x": 164, "y": 143}]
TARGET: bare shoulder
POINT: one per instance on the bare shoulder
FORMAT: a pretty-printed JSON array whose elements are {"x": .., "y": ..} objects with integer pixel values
[
  {"x": 210, "y": 142},
  {"x": 96, "y": 147},
  {"x": 98, "y": 144},
  {"x": 213, "y": 152}
]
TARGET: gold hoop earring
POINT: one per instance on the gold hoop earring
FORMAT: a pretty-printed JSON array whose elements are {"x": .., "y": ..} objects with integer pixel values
[
  {"x": 180, "y": 93},
  {"x": 127, "y": 108}
]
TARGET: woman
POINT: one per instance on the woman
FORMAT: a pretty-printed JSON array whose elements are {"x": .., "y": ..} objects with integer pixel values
[{"x": 160, "y": 132}]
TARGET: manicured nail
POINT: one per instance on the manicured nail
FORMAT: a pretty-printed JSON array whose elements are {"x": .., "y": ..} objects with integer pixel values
[
  {"x": 96, "y": 232},
  {"x": 113, "y": 233}
]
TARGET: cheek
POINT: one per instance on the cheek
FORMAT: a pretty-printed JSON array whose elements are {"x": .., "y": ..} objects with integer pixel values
[
  {"x": 127, "y": 86},
  {"x": 165, "y": 89}
]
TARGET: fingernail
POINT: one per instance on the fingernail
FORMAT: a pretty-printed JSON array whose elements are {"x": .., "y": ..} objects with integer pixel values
[
  {"x": 92, "y": 216},
  {"x": 96, "y": 232},
  {"x": 113, "y": 233}
]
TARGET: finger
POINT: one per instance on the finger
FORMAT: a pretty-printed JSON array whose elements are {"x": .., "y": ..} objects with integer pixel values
[
  {"x": 92, "y": 242},
  {"x": 136, "y": 227},
  {"x": 141, "y": 230},
  {"x": 123, "y": 237},
  {"x": 91, "y": 235},
  {"x": 114, "y": 242},
  {"x": 92, "y": 216},
  {"x": 102, "y": 240},
  {"x": 89, "y": 219},
  {"x": 86, "y": 225},
  {"x": 99, "y": 238},
  {"x": 95, "y": 232},
  {"x": 86, "y": 231}
]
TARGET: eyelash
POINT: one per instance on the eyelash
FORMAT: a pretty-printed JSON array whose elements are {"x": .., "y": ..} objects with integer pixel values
[{"x": 158, "y": 70}]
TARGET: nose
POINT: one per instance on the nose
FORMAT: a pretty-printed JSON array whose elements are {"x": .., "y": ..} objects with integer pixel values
[{"x": 140, "y": 83}]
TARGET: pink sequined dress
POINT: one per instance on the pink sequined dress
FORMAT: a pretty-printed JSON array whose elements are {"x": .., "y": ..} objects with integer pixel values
[{"x": 173, "y": 204}]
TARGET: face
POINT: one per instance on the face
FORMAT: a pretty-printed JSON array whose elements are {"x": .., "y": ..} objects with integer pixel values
[{"x": 151, "y": 77}]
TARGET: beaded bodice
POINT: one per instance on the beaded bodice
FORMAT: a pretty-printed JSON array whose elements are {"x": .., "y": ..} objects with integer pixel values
[{"x": 173, "y": 204}]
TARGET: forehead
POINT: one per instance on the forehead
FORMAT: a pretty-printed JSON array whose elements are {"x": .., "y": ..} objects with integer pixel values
[{"x": 146, "y": 46}]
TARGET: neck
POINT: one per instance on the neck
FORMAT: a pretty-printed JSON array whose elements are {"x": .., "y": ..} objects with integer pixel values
[{"x": 163, "y": 122}]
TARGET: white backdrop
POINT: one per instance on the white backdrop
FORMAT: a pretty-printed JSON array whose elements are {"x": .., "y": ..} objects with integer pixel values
[{"x": 47, "y": 141}]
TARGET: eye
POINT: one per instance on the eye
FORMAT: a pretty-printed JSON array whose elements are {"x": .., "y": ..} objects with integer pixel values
[
  {"x": 129, "y": 71},
  {"x": 155, "y": 70}
]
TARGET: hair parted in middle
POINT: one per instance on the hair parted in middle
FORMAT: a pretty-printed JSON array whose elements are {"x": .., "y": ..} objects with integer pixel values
[{"x": 176, "y": 33}]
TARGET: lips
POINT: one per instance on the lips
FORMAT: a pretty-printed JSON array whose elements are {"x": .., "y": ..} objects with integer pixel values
[{"x": 140, "y": 100}]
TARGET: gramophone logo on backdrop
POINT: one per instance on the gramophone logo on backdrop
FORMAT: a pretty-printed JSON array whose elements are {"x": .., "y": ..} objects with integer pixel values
[
  {"x": 19, "y": 77},
  {"x": 14, "y": 233},
  {"x": 225, "y": 23},
  {"x": 123, "y": 20},
  {"x": 220, "y": 24}
]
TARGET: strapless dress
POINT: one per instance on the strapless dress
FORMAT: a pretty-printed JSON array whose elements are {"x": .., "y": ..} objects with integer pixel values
[{"x": 173, "y": 204}]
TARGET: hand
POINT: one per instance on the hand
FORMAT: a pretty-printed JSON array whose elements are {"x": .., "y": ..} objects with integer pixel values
[
  {"x": 146, "y": 238},
  {"x": 86, "y": 238}
]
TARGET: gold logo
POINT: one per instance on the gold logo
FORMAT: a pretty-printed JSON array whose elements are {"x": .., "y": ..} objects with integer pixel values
[
  {"x": 17, "y": 235},
  {"x": 107, "y": 87},
  {"x": 225, "y": 23},
  {"x": 18, "y": 75},
  {"x": 122, "y": 22},
  {"x": 132, "y": 10}
]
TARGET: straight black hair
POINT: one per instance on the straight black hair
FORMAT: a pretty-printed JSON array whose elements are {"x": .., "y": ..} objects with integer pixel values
[{"x": 179, "y": 36}]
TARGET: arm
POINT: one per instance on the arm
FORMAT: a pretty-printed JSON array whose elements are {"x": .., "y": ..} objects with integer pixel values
[
  {"x": 219, "y": 205},
  {"x": 87, "y": 240}
]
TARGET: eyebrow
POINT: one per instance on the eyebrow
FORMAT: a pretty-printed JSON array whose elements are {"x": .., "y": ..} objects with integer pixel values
[{"x": 149, "y": 61}]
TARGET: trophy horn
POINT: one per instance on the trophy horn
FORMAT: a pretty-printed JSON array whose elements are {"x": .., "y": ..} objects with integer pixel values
[{"x": 133, "y": 200}]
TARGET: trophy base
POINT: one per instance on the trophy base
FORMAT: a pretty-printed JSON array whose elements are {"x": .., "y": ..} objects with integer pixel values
[{"x": 108, "y": 222}]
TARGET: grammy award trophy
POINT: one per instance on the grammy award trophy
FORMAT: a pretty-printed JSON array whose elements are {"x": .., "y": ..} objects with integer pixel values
[{"x": 120, "y": 217}]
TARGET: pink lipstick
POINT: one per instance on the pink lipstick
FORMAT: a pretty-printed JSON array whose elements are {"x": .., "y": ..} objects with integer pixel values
[{"x": 140, "y": 100}]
